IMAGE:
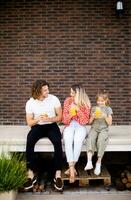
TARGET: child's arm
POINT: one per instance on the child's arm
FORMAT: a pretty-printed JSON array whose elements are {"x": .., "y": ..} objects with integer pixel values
[
  {"x": 92, "y": 118},
  {"x": 108, "y": 116},
  {"x": 92, "y": 115},
  {"x": 109, "y": 119}
]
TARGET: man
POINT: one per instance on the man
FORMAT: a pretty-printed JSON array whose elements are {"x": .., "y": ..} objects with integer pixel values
[{"x": 43, "y": 110}]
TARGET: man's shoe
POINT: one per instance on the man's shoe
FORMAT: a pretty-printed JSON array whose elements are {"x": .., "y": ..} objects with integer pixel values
[
  {"x": 34, "y": 180},
  {"x": 58, "y": 184},
  {"x": 30, "y": 183}
]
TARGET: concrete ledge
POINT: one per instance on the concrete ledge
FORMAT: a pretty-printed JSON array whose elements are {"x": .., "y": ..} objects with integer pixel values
[{"x": 13, "y": 138}]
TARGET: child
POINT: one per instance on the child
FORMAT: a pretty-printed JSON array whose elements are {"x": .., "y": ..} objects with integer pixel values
[{"x": 101, "y": 118}]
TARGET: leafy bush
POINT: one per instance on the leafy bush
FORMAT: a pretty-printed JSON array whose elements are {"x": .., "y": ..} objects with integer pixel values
[{"x": 12, "y": 173}]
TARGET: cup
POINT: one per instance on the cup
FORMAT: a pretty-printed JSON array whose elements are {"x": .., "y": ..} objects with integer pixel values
[
  {"x": 73, "y": 111},
  {"x": 98, "y": 112}
]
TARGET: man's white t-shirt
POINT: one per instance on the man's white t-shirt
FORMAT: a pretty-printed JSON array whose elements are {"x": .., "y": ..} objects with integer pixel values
[{"x": 46, "y": 106}]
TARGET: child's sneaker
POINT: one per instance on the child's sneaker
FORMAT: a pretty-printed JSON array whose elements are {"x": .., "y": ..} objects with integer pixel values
[
  {"x": 97, "y": 170},
  {"x": 88, "y": 166}
]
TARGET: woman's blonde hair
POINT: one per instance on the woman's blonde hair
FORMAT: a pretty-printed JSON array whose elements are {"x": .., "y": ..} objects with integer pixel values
[{"x": 81, "y": 98}]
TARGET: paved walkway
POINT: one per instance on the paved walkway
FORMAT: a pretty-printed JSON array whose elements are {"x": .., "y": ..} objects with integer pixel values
[
  {"x": 75, "y": 197},
  {"x": 82, "y": 194}
]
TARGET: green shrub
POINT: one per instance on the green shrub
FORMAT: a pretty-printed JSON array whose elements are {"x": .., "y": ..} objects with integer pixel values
[{"x": 12, "y": 173}]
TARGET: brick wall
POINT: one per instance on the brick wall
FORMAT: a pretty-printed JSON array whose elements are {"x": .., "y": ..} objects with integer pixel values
[{"x": 64, "y": 42}]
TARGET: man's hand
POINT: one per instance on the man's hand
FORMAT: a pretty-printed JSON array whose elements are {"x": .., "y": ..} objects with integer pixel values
[{"x": 44, "y": 117}]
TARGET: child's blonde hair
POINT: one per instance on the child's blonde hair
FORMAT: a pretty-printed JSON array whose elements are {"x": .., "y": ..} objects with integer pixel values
[
  {"x": 104, "y": 95},
  {"x": 81, "y": 98}
]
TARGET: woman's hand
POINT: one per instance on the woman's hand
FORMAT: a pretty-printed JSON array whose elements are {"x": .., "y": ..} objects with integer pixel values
[{"x": 73, "y": 111}]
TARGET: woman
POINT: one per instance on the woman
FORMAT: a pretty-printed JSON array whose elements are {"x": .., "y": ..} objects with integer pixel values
[
  {"x": 43, "y": 110},
  {"x": 75, "y": 116}
]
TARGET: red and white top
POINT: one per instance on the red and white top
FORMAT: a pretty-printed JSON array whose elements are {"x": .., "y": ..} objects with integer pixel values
[{"x": 82, "y": 115}]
